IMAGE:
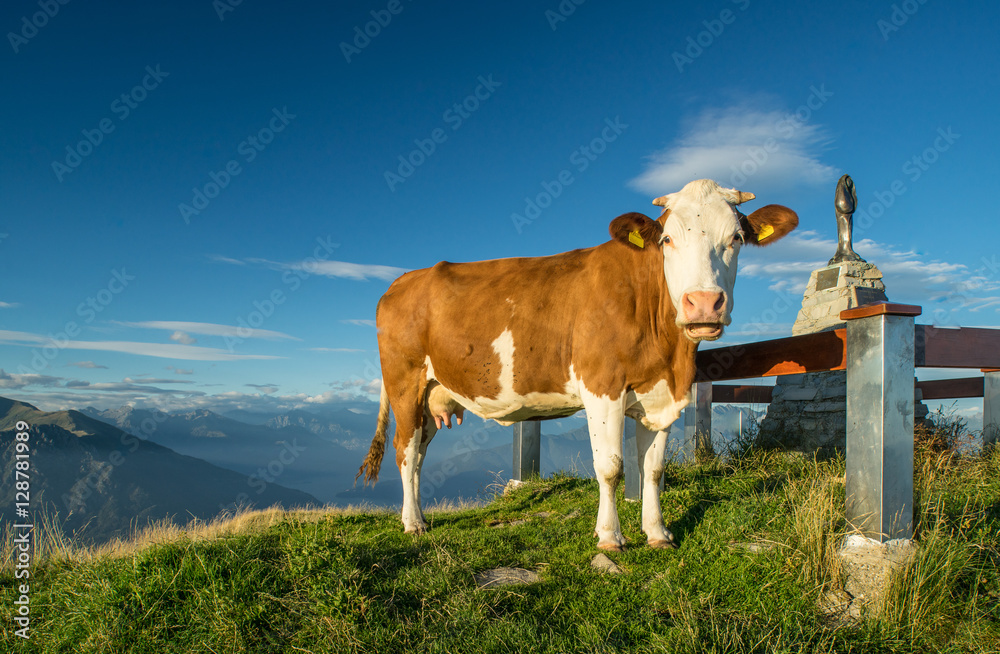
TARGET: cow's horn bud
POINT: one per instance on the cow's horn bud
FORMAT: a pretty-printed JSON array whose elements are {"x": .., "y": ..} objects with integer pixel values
[
  {"x": 661, "y": 201},
  {"x": 743, "y": 196}
]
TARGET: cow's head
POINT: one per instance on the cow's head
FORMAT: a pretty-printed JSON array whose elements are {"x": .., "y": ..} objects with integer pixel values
[{"x": 699, "y": 235}]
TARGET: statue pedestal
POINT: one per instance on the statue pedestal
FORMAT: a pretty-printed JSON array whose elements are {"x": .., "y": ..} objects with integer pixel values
[
  {"x": 808, "y": 411},
  {"x": 835, "y": 288}
]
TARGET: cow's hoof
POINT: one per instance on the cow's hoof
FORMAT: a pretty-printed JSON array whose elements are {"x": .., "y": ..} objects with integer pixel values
[
  {"x": 416, "y": 531},
  {"x": 611, "y": 547},
  {"x": 662, "y": 544}
]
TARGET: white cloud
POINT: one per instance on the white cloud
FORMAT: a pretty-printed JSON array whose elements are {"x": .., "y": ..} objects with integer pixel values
[
  {"x": 183, "y": 338},
  {"x": 106, "y": 396},
  {"x": 267, "y": 389},
  {"x": 347, "y": 390},
  {"x": 359, "y": 322},
  {"x": 208, "y": 329},
  {"x": 15, "y": 380},
  {"x": 9, "y": 305},
  {"x": 129, "y": 386},
  {"x": 155, "y": 380},
  {"x": 350, "y": 270},
  {"x": 342, "y": 269},
  {"x": 728, "y": 145},
  {"x": 222, "y": 259},
  {"x": 161, "y": 350},
  {"x": 180, "y": 371},
  {"x": 87, "y": 364},
  {"x": 27, "y": 337}
]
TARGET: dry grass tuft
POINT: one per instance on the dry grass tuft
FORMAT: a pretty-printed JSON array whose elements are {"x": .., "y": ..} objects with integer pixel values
[
  {"x": 53, "y": 545},
  {"x": 816, "y": 504}
]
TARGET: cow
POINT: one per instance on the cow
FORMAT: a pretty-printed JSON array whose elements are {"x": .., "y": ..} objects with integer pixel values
[{"x": 611, "y": 329}]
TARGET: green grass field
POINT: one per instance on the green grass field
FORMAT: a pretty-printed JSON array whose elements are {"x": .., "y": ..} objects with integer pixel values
[{"x": 351, "y": 581}]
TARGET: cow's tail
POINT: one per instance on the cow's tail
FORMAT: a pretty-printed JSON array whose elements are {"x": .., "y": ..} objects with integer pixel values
[{"x": 373, "y": 461}]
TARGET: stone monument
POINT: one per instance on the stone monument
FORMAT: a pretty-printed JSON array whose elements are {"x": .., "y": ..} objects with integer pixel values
[{"x": 808, "y": 411}]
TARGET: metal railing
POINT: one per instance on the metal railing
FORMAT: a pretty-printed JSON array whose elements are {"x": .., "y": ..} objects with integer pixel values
[{"x": 880, "y": 347}]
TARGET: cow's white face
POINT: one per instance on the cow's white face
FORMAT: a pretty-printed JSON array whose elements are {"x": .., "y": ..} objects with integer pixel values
[
  {"x": 699, "y": 237},
  {"x": 701, "y": 242}
]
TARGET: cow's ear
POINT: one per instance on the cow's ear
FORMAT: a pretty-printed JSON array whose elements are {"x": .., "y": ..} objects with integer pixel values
[
  {"x": 636, "y": 231},
  {"x": 768, "y": 224}
]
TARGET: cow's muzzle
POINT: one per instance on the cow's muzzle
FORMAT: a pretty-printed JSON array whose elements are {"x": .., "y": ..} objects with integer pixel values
[
  {"x": 703, "y": 331},
  {"x": 703, "y": 314}
]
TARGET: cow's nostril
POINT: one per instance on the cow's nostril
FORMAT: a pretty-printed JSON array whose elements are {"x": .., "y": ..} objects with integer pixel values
[{"x": 703, "y": 305}]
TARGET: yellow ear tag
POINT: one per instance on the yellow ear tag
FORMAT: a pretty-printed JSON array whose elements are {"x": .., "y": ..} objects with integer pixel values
[
  {"x": 764, "y": 232},
  {"x": 636, "y": 239}
]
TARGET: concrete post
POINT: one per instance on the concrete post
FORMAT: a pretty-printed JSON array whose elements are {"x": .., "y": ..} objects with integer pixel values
[
  {"x": 880, "y": 420},
  {"x": 527, "y": 449},
  {"x": 697, "y": 420},
  {"x": 630, "y": 453},
  {"x": 991, "y": 409}
]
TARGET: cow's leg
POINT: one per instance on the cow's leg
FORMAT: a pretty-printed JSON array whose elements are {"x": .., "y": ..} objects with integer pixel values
[
  {"x": 408, "y": 459},
  {"x": 606, "y": 420},
  {"x": 408, "y": 440},
  {"x": 430, "y": 429},
  {"x": 651, "y": 446}
]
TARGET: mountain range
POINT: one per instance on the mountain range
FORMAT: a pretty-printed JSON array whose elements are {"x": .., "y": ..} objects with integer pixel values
[
  {"x": 293, "y": 455},
  {"x": 102, "y": 481}
]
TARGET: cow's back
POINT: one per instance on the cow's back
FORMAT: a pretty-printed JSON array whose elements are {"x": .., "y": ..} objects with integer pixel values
[
  {"x": 460, "y": 314},
  {"x": 536, "y": 315}
]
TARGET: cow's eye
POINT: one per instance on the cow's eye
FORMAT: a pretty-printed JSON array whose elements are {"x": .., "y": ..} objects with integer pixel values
[
  {"x": 665, "y": 240},
  {"x": 738, "y": 238}
]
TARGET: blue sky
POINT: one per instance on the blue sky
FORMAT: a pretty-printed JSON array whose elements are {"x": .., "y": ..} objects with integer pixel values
[{"x": 201, "y": 202}]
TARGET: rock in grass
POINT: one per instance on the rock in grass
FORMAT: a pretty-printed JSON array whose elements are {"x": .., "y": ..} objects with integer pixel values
[
  {"x": 868, "y": 565},
  {"x": 602, "y": 563},
  {"x": 512, "y": 486},
  {"x": 834, "y": 603},
  {"x": 506, "y": 577}
]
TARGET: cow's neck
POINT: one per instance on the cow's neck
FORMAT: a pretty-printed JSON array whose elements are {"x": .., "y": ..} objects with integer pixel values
[
  {"x": 672, "y": 352},
  {"x": 679, "y": 347}
]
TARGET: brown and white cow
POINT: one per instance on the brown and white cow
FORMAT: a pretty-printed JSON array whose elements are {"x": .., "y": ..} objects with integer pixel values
[{"x": 611, "y": 329}]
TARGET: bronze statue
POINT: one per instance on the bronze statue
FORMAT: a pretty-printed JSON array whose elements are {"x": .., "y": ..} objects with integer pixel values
[{"x": 845, "y": 203}]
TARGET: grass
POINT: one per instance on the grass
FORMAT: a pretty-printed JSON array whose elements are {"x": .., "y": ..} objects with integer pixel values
[{"x": 351, "y": 581}]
